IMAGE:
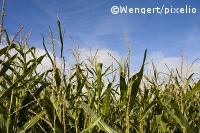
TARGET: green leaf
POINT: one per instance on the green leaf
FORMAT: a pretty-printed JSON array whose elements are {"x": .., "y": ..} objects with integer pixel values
[
  {"x": 37, "y": 62},
  {"x": 31, "y": 122},
  {"x": 80, "y": 86},
  {"x": 7, "y": 64},
  {"x": 123, "y": 85},
  {"x": 3, "y": 110},
  {"x": 92, "y": 125},
  {"x": 106, "y": 101},
  {"x": 5, "y": 49},
  {"x": 135, "y": 81},
  {"x": 28, "y": 98},
  {"x": 178, "y": 117},
  {"x": 58, "y": 77},
  {"x": 161, "y": 124},
  {"x": 144, "y": 114},
  {"x": 7, "y": 37},
  {"x": 61, "y": 37},
  {"x": 123, "y": 89},
  {"x": 13, "y": 86},
  {"x": 101, "y": 124},
  {"x": 99, "y": 78},
  {"x": 46, "y": 50},
  {"x": 51, "y": 111},
  {"x": 105, "y": 72},
  {"x": 193, "y": 91},
  {"x": 183, "y": 120}
]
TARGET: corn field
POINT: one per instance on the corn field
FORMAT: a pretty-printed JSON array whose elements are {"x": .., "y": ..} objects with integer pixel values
[{"x": 89, "y": 99}]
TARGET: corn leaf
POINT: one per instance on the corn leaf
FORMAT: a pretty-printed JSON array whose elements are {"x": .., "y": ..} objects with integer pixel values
[
  {"x": 13, "y": 86},
  {"x": 61, "y": 38},
  {"x": 31, "y": 122},
  {"x": 106, "y": 102},
  {"x": 3, "y": 110},
  {"x": 4, "y": 50},
  {"x": 144, "y": 114},
  {"x": 92, "y": 125},
  {"x": 193, "y": 91},
  {"x": 7, "y": 65},
  {"x": 101, "y": 124},
  {"x": 135, "y": 81}
]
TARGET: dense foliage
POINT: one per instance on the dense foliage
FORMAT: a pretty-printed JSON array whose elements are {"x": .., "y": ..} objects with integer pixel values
[{"x": 89, "y": 98}]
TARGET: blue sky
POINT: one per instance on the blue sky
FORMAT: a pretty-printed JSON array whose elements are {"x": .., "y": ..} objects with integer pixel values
[{"x": 93, "y": 25}]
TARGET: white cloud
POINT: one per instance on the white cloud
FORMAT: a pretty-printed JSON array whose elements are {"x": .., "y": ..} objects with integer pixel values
[
  {"x": 156, "y": 55},
  {"x": 166, "y": 64}
]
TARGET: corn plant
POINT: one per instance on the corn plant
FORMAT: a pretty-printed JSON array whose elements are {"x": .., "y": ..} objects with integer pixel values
[{"x": 88, "y": 99}]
